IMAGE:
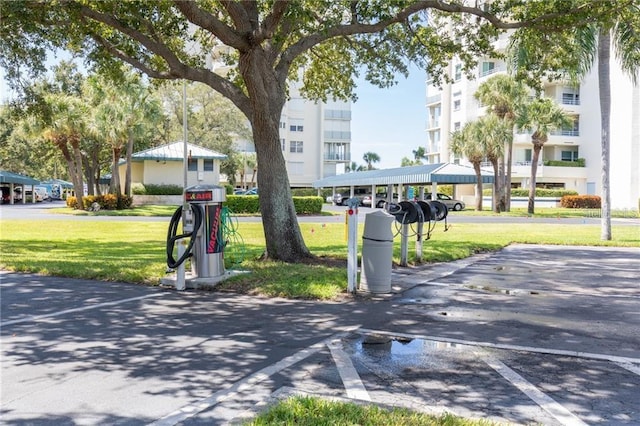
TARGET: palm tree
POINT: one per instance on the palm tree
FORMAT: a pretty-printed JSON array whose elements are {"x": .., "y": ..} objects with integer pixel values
[
  {"x": 64, "y": 127},
  {"x": 493, "y": 134},
  {"x": 596, "y": 42},
  {"x": 353, "y": 167},
  {"x": 501, "y": 94},
  {"x": 124, "y": 112},
  {"x": 419, "y": 154},
  {"x": 541, "y": 117},
  {"x": 464, "y": 143},
  {"x": 370, "y": 158},
  {"x": 575, "y": 51}
]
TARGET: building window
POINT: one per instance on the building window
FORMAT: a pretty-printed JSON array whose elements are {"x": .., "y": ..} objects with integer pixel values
[
  {"x": 456, "y": 126},
  {"x": 192, "y": 164},
  {"x": 337, "y": 134},
  {"x": 487, "y": 68},
  {"x": 456, "y": 105},
  {"x": 569, "y": 155},
  {"x": 283, "y": 144},
  {"x": 283, "y": 125},
  {"x": 527, "y": 155},
  {"x": 208, "y": 165},
  {"x": 337, "y": 114},
  {"x": 573, "y": 130},
  {"x": 295, "y": 128},
  {"x": 458, "y": 72},
  {"x": 295, "y": 146},
  {"x": 571, "y": 96}
]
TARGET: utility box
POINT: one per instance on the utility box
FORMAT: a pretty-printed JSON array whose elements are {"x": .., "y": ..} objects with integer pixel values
[{"x": 377, "y": 252}]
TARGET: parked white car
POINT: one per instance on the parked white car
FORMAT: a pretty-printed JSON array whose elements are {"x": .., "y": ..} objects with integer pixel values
[{"x": 451, "y": 204}]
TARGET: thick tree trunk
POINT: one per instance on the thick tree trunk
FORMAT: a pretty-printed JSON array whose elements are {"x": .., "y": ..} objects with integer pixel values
[
  {"x": 70, "y": 159},
  {"x": 282, "y": 233},
  {"x": 507, "y": 180},
  {"x": 78, "y": 183},
  {"x": 127, "y": 178},
  {"x": 604, "y": 53},
  {"x": 476, "y": 168},
  {"x": 497, "y": 191},
  {"x": 115, "y": 187},
  {"x": 534, "y": 170},
  {"x": 501, "y": 188}
]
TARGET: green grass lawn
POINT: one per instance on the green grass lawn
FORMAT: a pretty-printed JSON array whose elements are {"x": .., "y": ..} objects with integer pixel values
[
  {"x": 310, "y": 411},
  {"x": 136, "y": 251}
]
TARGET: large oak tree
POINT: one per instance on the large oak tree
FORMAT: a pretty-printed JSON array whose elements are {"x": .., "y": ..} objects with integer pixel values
[{"x": 264, "y": 44}]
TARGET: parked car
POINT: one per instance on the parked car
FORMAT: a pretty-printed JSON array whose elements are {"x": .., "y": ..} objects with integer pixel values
[
  {"x": 239, "y": 191},
  {"x": 451, "y": 204},
  {"x": 44, "y": 193},
  {"x": 381, "y": 199},
  {"x": 6, "y": 195},
  {"x": 252, "y": 191},
  {"x": 17, "y": 194},
  {"x": 340, "y": 199},
  {"x": 29, "y": 194}
]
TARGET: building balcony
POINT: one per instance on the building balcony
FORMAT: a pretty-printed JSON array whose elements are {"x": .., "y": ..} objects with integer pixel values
[
  {"x": 337, "y": 158},
  {"x": 435, "y": 99},
  {"x": 523, "y": 169}
]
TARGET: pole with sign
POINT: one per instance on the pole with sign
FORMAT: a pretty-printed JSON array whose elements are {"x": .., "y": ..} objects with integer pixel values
[{"x": 352, "y": 244}]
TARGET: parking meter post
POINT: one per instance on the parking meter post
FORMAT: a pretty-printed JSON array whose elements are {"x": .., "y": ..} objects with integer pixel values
[
  {"x": 419, "y": 242},
  {"x": 181, "y": 283},
  {"x": 352, "y": 244},
  {"x": 404, "y": 245}
]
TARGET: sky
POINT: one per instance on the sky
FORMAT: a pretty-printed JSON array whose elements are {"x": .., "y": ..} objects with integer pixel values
[{"x": 389, "y": 122}]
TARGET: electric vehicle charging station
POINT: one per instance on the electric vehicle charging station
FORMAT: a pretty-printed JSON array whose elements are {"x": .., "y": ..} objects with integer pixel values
[
  {"x": 408, "y": 213},
  {"x": 202, "y": 227}
]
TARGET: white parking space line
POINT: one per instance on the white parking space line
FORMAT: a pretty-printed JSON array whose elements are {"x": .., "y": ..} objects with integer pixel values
[
  {"x": 548, "y": 404},
  {"x": 33, "y": 318},
  {"x": 350, "y": 378},
  {"x": 532, "y": 349},
  {"x": 191, "y": 410},
  {"x": 631, "y": 367}
]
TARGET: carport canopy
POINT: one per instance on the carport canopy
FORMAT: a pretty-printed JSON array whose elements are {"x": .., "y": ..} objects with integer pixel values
[
  {"x": 429, "y": 174},
  {"x": 15, "y": 179}
]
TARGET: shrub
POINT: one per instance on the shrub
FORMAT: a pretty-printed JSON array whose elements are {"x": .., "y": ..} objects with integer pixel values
[
  {"x": 71, "y": 201},
  {"x": 138, "y": 188},
  {"x": 308, "y": 205},
  {"x": 581, "y": 202},
  {"x": 152, "y": 189},
  {"x": 540, "y": 192},
  {"x": 304, "y": 192},
  {"x": 106, "y": 202},
  {"x": 580, "y": 162},
  {"x": 250, "y": 204}
]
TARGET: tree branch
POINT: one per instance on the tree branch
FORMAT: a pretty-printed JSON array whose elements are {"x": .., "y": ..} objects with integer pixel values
[
  {"x": 177, "y": 69},
  {"x": 207, "y": 21},
  {"x": 271, "y": 21}
]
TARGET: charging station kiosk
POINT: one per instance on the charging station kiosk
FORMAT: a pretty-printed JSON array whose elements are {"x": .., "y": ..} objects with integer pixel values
[{"x": 202, "y": 227}]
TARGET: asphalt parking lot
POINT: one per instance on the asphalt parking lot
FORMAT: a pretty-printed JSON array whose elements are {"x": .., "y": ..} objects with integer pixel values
[{"x": 528, "y": 335}]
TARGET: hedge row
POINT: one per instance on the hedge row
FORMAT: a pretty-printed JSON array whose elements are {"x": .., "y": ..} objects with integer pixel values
[
  {"x": 151, "y": 189},
  {"x": 249, "y": 204},
  {"x": 581, "y": 202},
  {"x": 106, "y": 202},
  {"x": 540, "y": 192}
]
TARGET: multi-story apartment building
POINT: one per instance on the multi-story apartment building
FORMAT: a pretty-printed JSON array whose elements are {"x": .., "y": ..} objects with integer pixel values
[
  {"x": 315, "y": 138},
  {"x": 451, "y": 106}
]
